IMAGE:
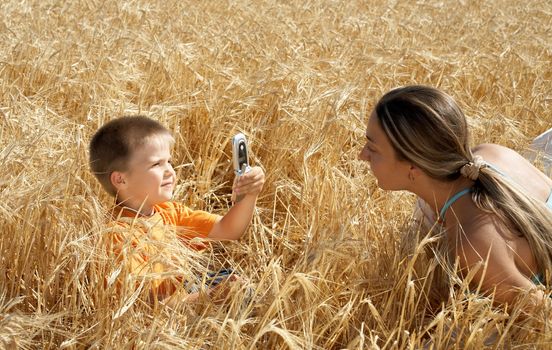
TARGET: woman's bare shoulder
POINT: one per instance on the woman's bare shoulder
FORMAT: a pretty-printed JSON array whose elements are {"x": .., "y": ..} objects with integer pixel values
[
  {"x": 515, "y": 166},
  {"x": 492, "y": 150}
]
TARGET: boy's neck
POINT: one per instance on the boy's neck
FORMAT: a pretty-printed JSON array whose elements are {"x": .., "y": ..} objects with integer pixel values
[{"x": 122, "y": 209}]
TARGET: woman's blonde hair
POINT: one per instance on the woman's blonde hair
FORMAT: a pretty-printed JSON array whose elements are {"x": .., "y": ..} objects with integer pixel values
[{"x": 426, "y": 127}]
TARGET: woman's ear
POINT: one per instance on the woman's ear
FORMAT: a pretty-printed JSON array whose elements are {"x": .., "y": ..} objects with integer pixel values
[
  {"x": 117, "y": 179},
  {"x": 414, "y": 172}
]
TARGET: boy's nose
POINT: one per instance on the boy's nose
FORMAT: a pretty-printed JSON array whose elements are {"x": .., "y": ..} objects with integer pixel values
[{"x": 169, "y": 170}]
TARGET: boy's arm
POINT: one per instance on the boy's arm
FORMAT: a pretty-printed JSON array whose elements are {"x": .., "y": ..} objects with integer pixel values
[{"x": 233, "y": 224}]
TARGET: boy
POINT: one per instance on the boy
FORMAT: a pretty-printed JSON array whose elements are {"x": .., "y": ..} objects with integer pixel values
[{"x": 131, "y": 158}]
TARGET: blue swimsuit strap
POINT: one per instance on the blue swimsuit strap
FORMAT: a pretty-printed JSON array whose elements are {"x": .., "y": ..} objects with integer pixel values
[
  {"x": 451, "y": 200},
  {"x": 496, "y": 169},
  {"x": 454, "y": 198}
]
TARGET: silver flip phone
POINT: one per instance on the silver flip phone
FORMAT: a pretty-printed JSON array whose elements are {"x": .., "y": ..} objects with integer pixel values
[
  {"x": 240, "y": 154},
  {"x": 240, "y": 157}
]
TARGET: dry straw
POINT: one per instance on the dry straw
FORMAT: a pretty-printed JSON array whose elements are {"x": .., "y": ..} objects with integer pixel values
[{"x": 332, "y": 258}]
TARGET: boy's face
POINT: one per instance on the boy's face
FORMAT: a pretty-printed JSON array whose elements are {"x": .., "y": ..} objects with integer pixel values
[{"x": 150, "y": 177}]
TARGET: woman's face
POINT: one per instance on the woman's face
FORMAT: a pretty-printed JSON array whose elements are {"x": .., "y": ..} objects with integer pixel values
[{"x": 391, "y": 173}]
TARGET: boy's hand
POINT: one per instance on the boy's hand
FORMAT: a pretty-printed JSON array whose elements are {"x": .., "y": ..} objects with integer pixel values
[
  {"x": 220, "y": 292},
  {"x": 250, "y": 183}
]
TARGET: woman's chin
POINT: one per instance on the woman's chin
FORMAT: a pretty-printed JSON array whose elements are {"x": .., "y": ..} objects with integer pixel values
[
  {"x": 381, "y": 185},
  {"x": 386, "y": 187}
]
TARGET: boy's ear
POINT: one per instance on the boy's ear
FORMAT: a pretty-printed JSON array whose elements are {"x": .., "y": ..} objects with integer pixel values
[{"x": 117, "y": 179}]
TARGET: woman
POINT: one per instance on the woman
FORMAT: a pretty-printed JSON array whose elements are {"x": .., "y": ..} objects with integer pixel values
[{"x": 494, "y": 206}]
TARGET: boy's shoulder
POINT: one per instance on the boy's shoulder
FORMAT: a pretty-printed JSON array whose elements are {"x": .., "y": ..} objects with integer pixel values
[
  {"x": 123, "y": 214},
  {"x": 169, "y": 213},
  {"x": 170, "y": 206},
  {"x": 176, "y": 213},
  {"x": 122, "y": 223}
]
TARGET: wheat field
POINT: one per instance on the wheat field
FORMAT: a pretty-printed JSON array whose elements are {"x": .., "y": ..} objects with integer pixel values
[{"x": 334, "y": 260}]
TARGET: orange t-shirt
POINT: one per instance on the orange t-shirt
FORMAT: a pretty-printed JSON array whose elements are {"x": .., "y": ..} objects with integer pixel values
[{"x": 144, "y": 244}]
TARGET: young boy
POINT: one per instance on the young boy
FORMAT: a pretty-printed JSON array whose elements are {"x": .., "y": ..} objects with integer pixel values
[{"x": 131, "y": 158}]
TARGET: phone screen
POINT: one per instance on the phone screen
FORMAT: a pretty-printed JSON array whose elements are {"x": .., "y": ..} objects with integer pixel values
[
  {"x": 239, "y": 150},
  {"x": 242, "y": 154}
]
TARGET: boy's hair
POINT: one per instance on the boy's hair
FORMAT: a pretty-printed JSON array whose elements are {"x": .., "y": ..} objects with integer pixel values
[{"x": 113, "y": 144}]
